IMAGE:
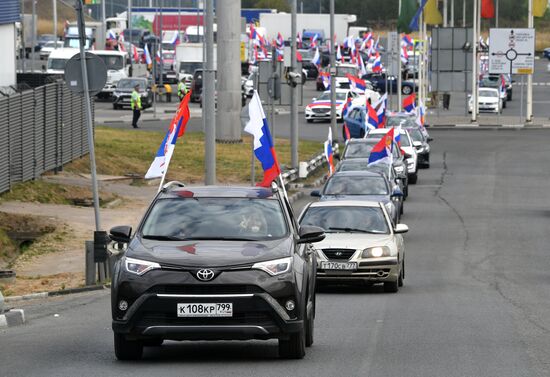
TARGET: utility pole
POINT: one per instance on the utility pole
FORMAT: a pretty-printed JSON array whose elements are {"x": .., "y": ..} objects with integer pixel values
[
  {"x": 496, "y": 16},
  {"x": 228, "y": 14},
  {"x": 452, "y": 23},
  {"x": 474, "y": 63},
  {"x": 209, "y": 103},
  {"x": 103, "y": 26},
  {"x": 293, "y": 91},
  {"x": 445, "y": 13},
  {"x": 33, "y": 33},
  {"x": 463, "y": 13},
  {"x": 55, "y": 22},
  {"x": 129, "y": 22},
  {"x": 529, "y": 117},
  {"x": 161, "y": 54},
  {"x": 399, "y": 66},
  {"x": 332, "y": 74}
]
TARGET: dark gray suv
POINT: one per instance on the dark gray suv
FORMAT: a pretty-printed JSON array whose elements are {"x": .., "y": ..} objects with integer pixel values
[{"x": 215, "y": 263}]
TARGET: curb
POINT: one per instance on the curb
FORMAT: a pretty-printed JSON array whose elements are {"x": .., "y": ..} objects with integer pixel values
[
  {"x": 13, "y": 317},
  {"x": 62, "y": 292}
]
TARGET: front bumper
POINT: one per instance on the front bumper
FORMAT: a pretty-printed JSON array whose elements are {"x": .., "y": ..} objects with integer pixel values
[
  {"x": 375, "y": 270},
  {"x": 323, "y": 115},
  {"x": 423, "y": 159}
]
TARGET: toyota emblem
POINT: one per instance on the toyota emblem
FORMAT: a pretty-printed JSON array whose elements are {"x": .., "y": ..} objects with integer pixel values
[
  {"x": 205, "y": 275},
  {"x": 338, "y": 253}
]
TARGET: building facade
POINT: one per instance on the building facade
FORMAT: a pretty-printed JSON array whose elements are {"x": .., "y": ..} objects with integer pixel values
[{"x": 9, "y": 15}]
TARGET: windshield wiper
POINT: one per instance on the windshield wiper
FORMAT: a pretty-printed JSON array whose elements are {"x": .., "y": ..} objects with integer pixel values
[
  {"x": 162, "y": 238},
  {"x": 353, "y": 230}
]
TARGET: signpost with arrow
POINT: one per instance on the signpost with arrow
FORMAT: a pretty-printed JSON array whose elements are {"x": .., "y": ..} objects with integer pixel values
[{"x": 512, "y": 51}]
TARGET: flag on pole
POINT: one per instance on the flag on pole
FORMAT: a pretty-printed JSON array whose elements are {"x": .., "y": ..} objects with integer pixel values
[
  {"x": 487, "y": 9},
  {"x": 346, "y": 107},
  {"x": 148, "y": 59},
  {"x": 381, "y": 152},
  {"x": 347, "y": 135},
  {"x": 372, "y": 117},
  {"x": 377, "y": 65},
  {"x": 339, "y": 55},
  {"x": 409, "y": 103},
  {"x": 408, "y": 7},
  {"x": 539, "y": 7},
  {"x": 329, "y": 152},
  {"x": 414, "y": 22},
  {"x": 160, "y": 164},
  {"x": 357, "y": 85},
  {"x": 316, "y": 58},
  {"x": 380, "y": 108},
  {"x": 432, "y": 15},
  {"x": 263, "y": 144}
]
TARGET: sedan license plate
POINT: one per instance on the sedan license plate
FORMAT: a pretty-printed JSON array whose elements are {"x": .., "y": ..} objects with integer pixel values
[
  {"x": 205, "y": 310},
  {"x": 347, "y": 266}
]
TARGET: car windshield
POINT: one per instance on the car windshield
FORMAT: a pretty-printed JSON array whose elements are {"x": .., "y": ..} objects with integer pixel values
[
  {"x": 114, "y": 62},
  {"x": 356, "y": 185},
  {"x": 343, "y": 71},
  {"x": 416, "y": 134},
  {"x": 215, "y": 218},
  {"x": 358, "y": 150},
  {"x": 189, "y": 67},
  {"x": 347, "y": 219},
  {"x": 488, "y": 93},
  {"x": 394, "y": 121},
  {"x": 489, "y": 83},
  {"x": 129, "y": 84},
  {"x": 353, "y": 165},
  {"x": 52, "y": 44},
  {"x": 340, "y": 96},
  {"x": 57, "y": 64}
]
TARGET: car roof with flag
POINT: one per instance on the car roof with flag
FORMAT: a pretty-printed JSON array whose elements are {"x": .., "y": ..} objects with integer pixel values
[{"x": 217, "y": 192}]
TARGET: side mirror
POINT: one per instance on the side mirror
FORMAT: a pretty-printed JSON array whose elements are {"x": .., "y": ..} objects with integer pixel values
[
  {"x": 310, "y": 234},
  {"x": 430, "y": 139},
  {"x": 121, "y": 233},
  {"x": 401, "y": 228},
  {"x": 316, "y": 193},
  {"x": 397, "y": 192}
]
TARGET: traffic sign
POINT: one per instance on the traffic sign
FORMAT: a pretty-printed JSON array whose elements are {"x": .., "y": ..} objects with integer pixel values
[
  {"x": 512, "y": 51},
  {"x": 97, "y": 74}
]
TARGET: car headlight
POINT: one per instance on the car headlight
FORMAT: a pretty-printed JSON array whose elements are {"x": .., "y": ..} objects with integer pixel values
[
  {"x": 274, "y": 267},
  {"x": 376, "y": 252},
  {"x": 399, "y": 169},
  {"x": 138, "y": 266}
]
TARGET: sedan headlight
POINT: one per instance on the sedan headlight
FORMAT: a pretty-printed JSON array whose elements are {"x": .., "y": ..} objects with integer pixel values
[
  {"x": 399, "y": 169},
  {"x": 376, "y": 252},
  {"x": 274, "y": 267},
  {"x": 139, "y": 267}
]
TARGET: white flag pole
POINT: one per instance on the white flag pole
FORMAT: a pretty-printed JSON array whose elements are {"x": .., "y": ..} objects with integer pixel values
[{"x": 283, "y": 186}]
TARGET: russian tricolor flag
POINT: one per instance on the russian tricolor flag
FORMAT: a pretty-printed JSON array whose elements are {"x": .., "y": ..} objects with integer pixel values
[
  {"x": 177, "y": 128},
  {"x": 316, "y": 58},
  {"x": 377, "y": 65},
  {"x": 406, "y": 40},
  {"x": 148, "y": 59},
  {"x": 346, "y": 107},
  {"x": 329, "y": 152},
  {"x": 372, "y": 117},
  {"x": 409, "y": 103},
  {"x": 357, "y": 85},
  {"x": 381, "y": 152},
  {"x": 263, "y": 144}
]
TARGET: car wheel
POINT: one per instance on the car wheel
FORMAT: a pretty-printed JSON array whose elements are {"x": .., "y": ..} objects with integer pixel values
[
  {"x": 294, "y": 347},
  {"x": 509, "y": 96},
  {"x": 504, "y": 104},
  {"x": 309, "y": 120},
  {"x": 401, "y": 209},
  {"x": 116, "y": 107},
  {"x": 153, "y": 342},
  {"x": 127, "y": 350},
  {"x": 391, "y": 286},
  {"x": 413, "y": 178},
  {"x": 310, "y": 325},
  {"x": 401, "y": 274},
  {"x": 406, "y": 90}
]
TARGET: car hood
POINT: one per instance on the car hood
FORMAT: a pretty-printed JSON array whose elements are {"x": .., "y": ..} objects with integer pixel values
[
  {"x": 324, "y": 104},
  {"x": 371, "y": 198},
  {"x": 488, "y": 99},
  {"x": 353, "y": 240},
  {"x": 213, "y": 253}
]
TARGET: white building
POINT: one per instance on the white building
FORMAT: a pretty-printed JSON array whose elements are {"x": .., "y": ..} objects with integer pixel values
[{"x": 9, "y": 15}]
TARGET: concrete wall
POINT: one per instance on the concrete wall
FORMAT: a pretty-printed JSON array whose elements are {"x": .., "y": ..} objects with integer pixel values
[{"x": 7, "y": 46}]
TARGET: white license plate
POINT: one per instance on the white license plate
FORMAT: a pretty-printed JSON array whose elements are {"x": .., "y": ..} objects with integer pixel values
[
  {"x": 205, "y": 310},
  {"x": 349, "y": 266}
]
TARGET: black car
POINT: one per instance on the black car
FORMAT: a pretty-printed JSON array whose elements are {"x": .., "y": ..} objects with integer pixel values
[
  {"x": 379, "y": 82},
  {"x": 361, "y": 148},
  {"x": 215, "y": 263},
  {"x": 123, "y": 92}
]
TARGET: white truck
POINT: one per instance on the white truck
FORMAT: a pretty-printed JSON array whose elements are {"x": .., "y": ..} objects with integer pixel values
[
  {"x": 280, "y": 23},
  {"x": 188, "y": 59}
]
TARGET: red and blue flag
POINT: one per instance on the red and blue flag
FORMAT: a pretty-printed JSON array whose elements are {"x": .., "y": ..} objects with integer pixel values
[
  {"x": 372, "y": 117},
  {"x": 381, "y": 152},
  {"x": 409, "y": 103},
  {"x": 357, "y": 85}
]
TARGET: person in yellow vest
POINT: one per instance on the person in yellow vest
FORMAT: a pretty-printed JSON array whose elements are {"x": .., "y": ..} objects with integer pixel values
[
  {"x": 135, "y": 103},
  {"x": 182, "y": 90}
]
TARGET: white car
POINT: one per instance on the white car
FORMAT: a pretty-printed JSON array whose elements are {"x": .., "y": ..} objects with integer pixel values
[
  {"x": 361, "y": 243},
  {"x": 342, "y": 70},
  {"x": 489, "y": 100},
  {"x": 48, "y": 48},
  {"x": 319, "y": 108},
  {"x": 406, "y": 145}
]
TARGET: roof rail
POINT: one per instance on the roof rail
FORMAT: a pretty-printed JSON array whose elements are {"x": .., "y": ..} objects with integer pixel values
[{"x": 172, "y": 184}]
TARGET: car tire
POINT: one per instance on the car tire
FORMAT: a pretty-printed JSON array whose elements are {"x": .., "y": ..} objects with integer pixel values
[
  {"x": 413, "y": 178},
  {"x": 127, "y": 350},
  {"x": 310, "y": 327},
  {"x": 504, "y": 105},
  {"x": 391, "y": 286},
  {"x": 309, "y": 120},
  {"x": 116, "y": 107},
  {"x": 406, "y": 90},
  {"x": 294, "y": 347},
  {"x": 401, "y": 274},
  {"x": 153, "y": 342},
  {"x": 509, "y": 96}
]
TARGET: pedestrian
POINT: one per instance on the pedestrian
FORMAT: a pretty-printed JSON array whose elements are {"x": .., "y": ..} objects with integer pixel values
[
  {"x": 182, "y": 90},
  {"x": 135, "y": 103}
]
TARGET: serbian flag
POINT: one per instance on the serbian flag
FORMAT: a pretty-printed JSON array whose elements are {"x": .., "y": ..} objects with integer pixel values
[
  {"x": 377, "y": 65},
  {"x": 329, "y": 153},
  {"x": 381, "y": 152},
  {"x": 135, "y": 53},
  {"x": 177, "y": 128},
  {"x": 420, "y": 114},
  {"x": 346, "y": 107},
  {"x": 372, "y": 117},
  {"x": 347, "y": 135},
  {"x": 487, "y": 9},
  {"x": 314, "y": 41},
  {"x": 404, "y": 55},
  {"x": 357, "y": 85},
  {"x": 397, "y": 136},
  {"x": 316, "y": 58},
  {"x": 408, "y": 103},
  {"x": 280, "y": 40},
  {"x": 339, "y": 55},
  {"x": 263, "y": 144},
  {"x": 148, "y": 59},
  {"x": 157, "y": 58},
  {"x": 380, "y": 108},
  {"x": 407, "y": 41}
]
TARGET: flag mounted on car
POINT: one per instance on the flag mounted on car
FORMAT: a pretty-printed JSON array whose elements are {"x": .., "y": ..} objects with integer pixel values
[
  {"x": 357, "y": 85},
  {"x": 263, "y": 144},
  {"x": 329, "y": 152},
  {"x": 372, "y": 117},
  {"x": 381, "y": 152},
  {"x": 409, "y": 103}
]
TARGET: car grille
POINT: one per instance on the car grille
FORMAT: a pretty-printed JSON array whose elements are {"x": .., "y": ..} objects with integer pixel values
[
  {"x": 338, "y": 253},
  {"x": 344, "y": 85},
  {"x": 320, "y": 110},
  {"x": 205, "y": 288}
]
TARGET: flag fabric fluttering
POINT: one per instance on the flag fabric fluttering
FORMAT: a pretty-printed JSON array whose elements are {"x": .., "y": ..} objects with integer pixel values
[
  {"x": 377, "y": 65},
  {"x": 316, "y": 58},
  {"x": 111, "y": 36},
  {"x": 357, "y": 85},
  {"x": 339, "y": 55},
  {"x": 177, "y": 128},
  {"x": 263, "y": 144},
  {"x": 432, "y": 15},
  {"x": 487, "y": 9},
  {"x": 371, "y": 118},
  {"x": 380, "y": 108},
  {"x": 347, "y": 135},
  {"x": 414, "y": 22},
  {"x": 346, "y": 107},
  {"x": 329, "y": 152},
  {"x": 408, "y": 7},
  {"x": 420, "y": 114},
  {"x": 409, "y": 103},
  {"x": 381, "y": 152},
  {"x": 539, "y": 7},
  {"x": 148, "y": 59}
]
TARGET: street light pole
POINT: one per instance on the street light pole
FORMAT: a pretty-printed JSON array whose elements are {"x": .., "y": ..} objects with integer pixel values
[
  {"x": 209, "y": 105},
  {"x": 474, "y": 63},
  {"x": 55, "y": 22},
  {"x": 529, "y": 110},
  {"x": 332, "y": 74},
  {"x": 293, "y": 91}
]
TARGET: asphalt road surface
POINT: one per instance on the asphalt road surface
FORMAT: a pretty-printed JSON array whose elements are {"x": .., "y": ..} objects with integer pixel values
[{"x": 475, "y": 301}]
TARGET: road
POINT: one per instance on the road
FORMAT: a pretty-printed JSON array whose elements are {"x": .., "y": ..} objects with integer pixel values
[{"x": 475, "y": 300}]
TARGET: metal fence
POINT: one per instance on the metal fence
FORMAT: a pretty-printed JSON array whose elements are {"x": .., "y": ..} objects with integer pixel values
[{"x": 40, "y": 130}]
